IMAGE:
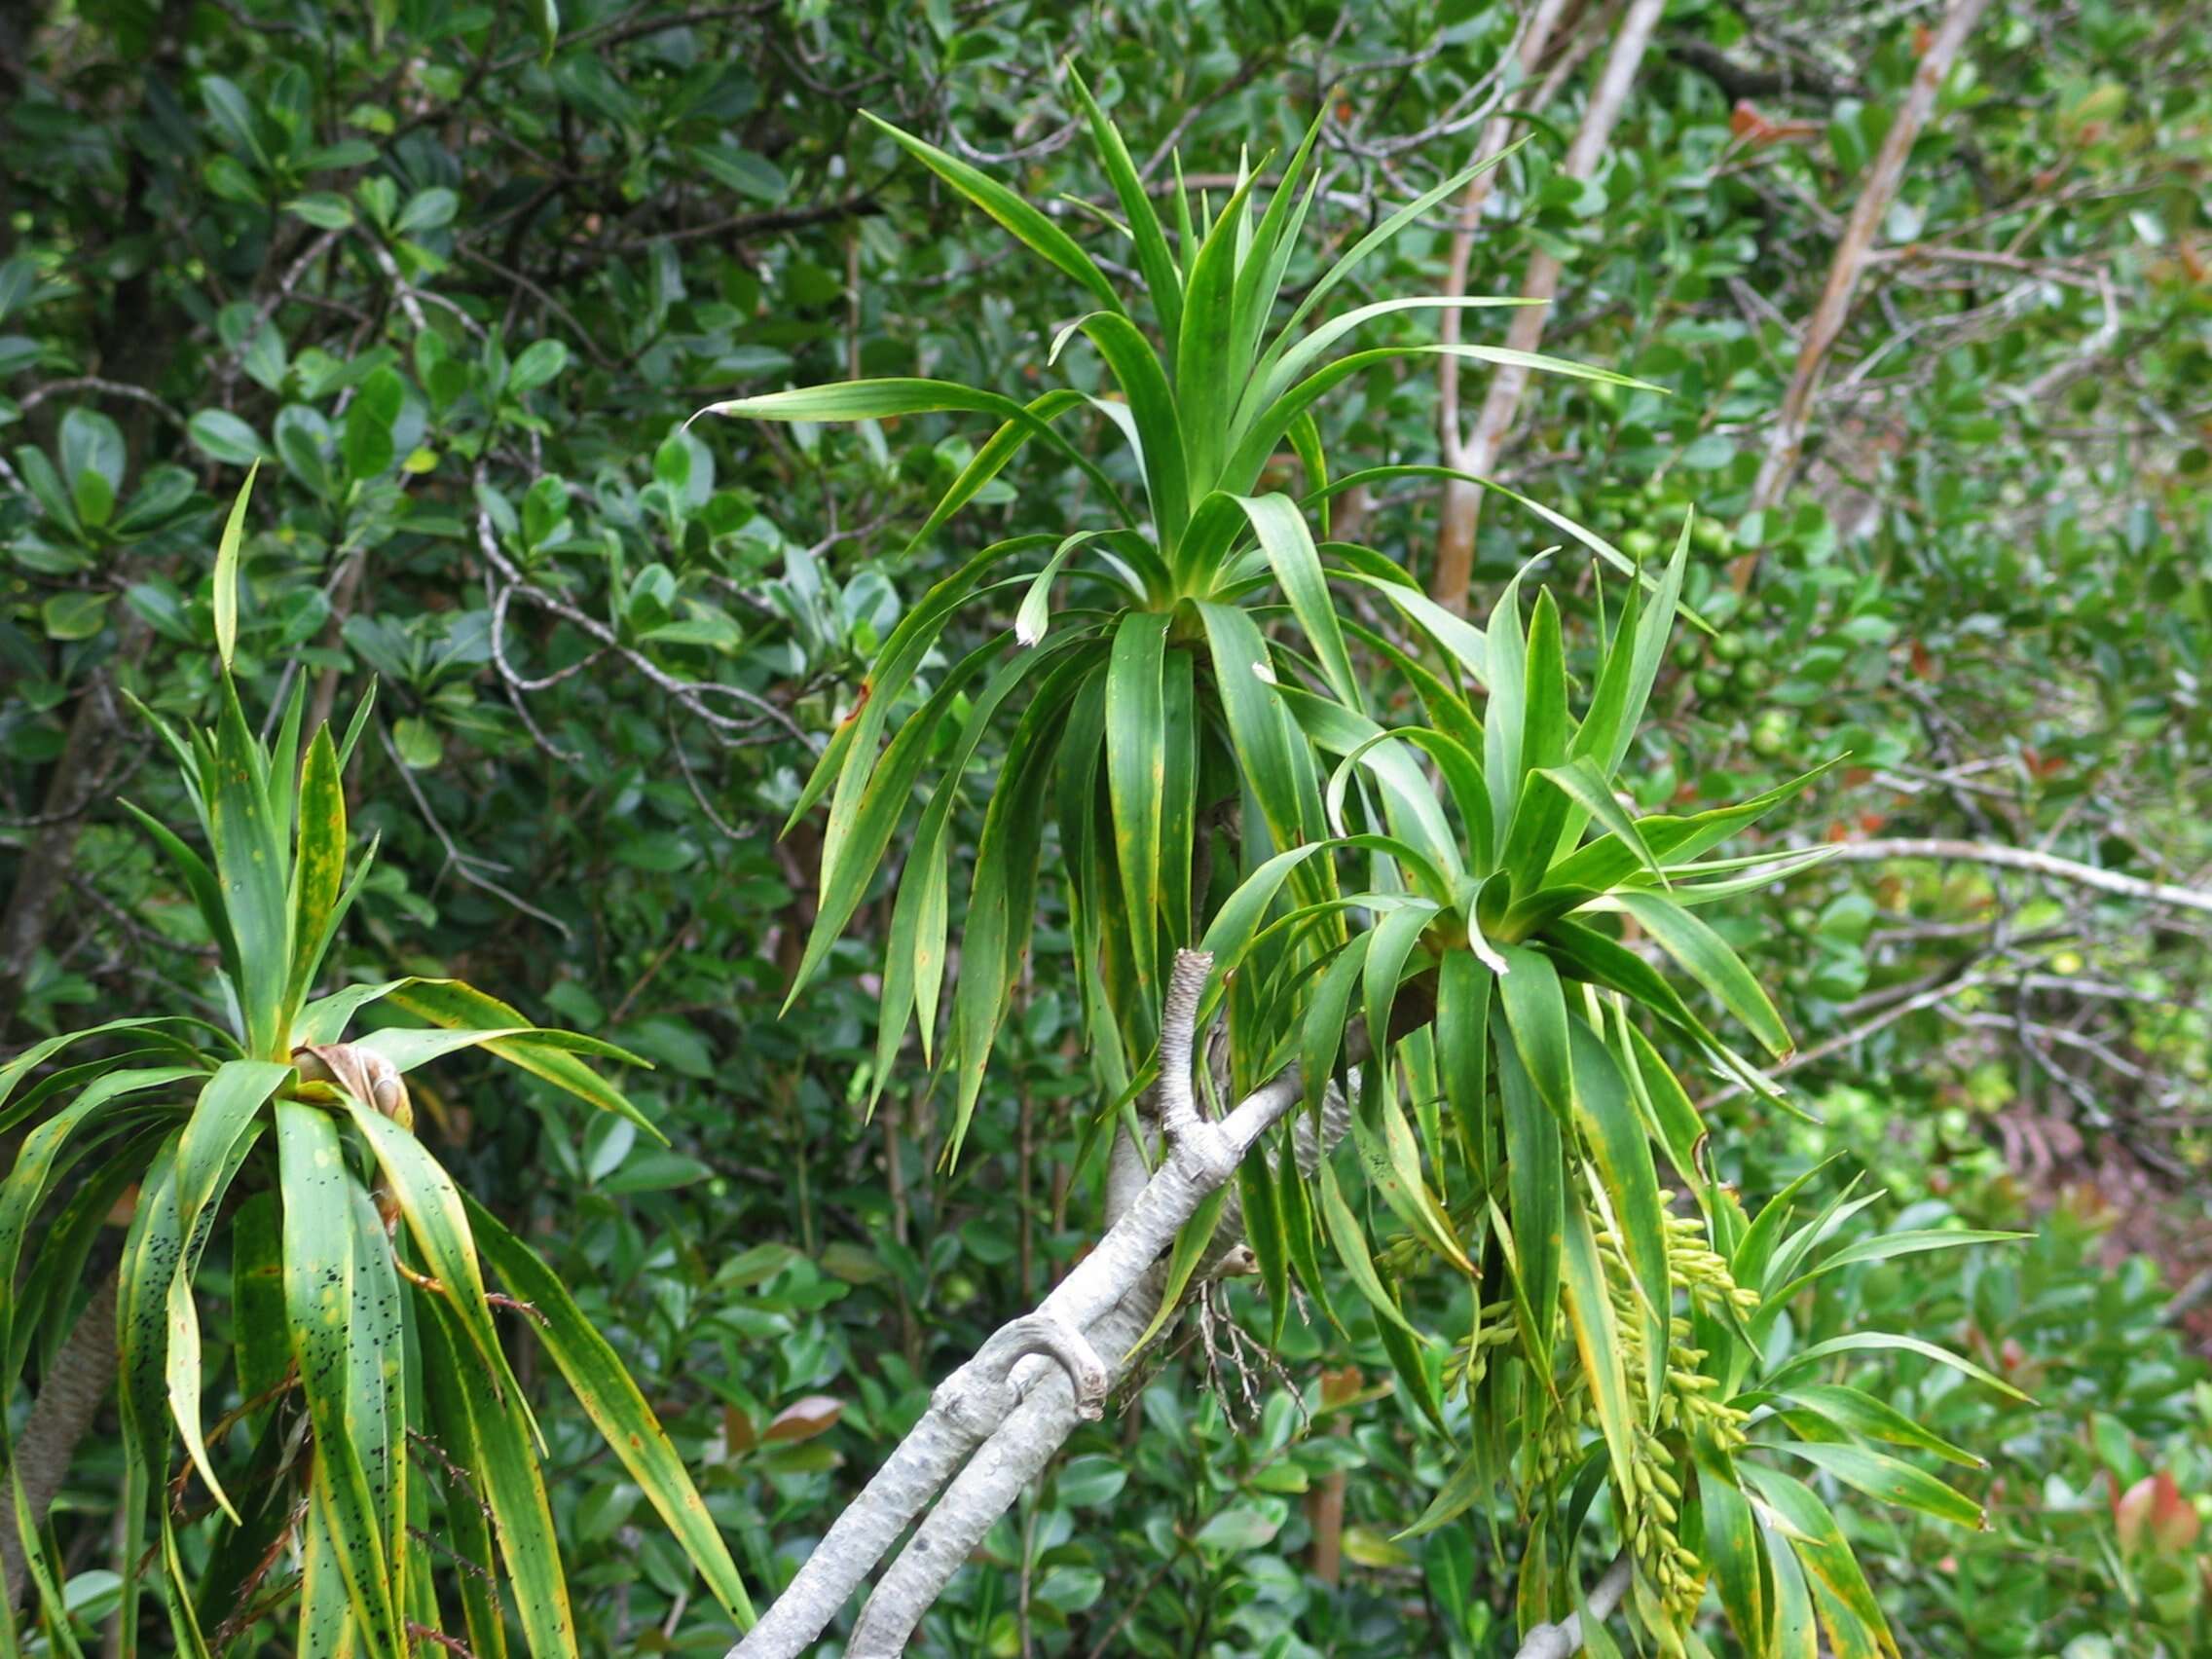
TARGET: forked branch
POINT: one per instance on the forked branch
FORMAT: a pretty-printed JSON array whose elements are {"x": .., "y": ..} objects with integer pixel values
[{"x": 1012, "y": 1396}]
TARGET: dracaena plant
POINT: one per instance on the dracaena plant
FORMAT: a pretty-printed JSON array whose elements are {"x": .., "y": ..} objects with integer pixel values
[
  {"x": 1139, "y": 703},
  {"x": 362, "y": 1429},
  {"x": 1467, "y": 895},
  {"x": 1513, "y": 1130}
]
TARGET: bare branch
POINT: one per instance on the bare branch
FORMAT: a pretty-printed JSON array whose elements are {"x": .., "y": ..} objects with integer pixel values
[
  {"x": 2034, "y": 862},
  {"x": 1851, "y": 253},
  {"x": 1479, "y": 450}
]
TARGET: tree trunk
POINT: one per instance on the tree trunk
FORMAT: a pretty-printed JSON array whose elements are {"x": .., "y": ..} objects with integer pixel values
[{"x": 63, "y": 1410}]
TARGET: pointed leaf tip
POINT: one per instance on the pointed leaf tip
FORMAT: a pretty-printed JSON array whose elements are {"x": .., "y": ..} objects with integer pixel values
[{"x": 227, "y": 570}]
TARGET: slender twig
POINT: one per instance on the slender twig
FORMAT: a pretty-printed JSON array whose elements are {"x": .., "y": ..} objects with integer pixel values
[{"x": 2034, "y": 862}]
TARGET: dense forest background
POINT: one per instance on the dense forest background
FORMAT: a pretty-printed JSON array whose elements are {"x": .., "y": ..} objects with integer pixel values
[{"x": 457, "y": 275}]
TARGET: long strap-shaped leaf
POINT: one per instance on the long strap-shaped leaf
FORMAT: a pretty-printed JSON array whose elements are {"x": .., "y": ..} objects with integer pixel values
[
  {"x": 603, "y": 1388},
  {"x": 1161, "y": 279},
  {"x": 226, "y": 1114},
  {"x": 1032, "y": 228},
  {"x": 438, "y": 1221},
  {"x": 514, "y": 1487},
  {"x": 319, "y": 1267},
  {"x": 1136, "y": 768}
]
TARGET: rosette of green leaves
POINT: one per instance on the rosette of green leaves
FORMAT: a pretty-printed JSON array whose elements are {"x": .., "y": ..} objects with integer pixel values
[
  {"x": 365, "y": 1406},
  {"x": 1140, "y": 705}
]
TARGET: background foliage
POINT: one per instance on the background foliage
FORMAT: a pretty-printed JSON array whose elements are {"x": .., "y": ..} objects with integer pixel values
[{"x": 457, "y": 281}]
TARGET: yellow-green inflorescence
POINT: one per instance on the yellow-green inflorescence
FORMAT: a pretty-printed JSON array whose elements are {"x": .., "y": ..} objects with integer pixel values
[{"x": 1689, "y": 1403}]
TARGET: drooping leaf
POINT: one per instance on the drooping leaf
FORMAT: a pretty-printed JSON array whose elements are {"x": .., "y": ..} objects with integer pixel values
[{"x": 603, "y": 1386}]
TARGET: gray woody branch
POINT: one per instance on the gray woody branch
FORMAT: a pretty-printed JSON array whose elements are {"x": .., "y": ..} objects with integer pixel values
[
  {"x": 1564, "y": 1640},
  {"x": 1023, "y": 1393}
]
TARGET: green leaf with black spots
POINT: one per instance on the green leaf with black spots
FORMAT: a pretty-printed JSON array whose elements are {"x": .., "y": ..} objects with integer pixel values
[
  {"x": 514, "y": 1486},
  {"x": 215, "y": 1139},
  {"x": 603, "y": 1388},
  {"x": 319, "y": 1268},
  {"x": 438, "y": 1223}
]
